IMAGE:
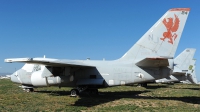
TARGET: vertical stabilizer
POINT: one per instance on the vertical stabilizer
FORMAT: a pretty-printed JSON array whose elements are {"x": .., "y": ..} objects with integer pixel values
[
  {"x": 191, "y": 72},
  {"x": 162, "y": 39},
  {"x": 184, "y": 59}
]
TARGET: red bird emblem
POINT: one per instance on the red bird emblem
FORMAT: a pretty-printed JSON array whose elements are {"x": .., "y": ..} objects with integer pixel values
[{"x": 172, "y": 27}]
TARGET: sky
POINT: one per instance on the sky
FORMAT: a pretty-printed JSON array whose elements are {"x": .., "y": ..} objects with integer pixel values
[{"x": 80, "y": 29}]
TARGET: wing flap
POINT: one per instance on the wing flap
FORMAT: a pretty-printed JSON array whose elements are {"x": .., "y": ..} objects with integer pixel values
[{"x": 153, "y": 62}]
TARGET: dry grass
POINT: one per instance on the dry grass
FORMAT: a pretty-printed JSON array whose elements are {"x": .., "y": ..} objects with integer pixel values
[{"x": 156, "y": 97}]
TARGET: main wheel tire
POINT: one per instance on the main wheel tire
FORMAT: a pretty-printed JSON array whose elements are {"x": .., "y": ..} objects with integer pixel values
[{"x": 74, "y": 92}]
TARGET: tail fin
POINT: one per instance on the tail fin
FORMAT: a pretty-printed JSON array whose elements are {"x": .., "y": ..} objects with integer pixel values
[
  {"x": 191, "y": 73},
  {"x": 183, "y": 60},
  {"x": 162, "y": 39}
]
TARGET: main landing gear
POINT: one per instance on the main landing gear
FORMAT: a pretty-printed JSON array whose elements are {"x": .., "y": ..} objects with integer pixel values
[
  {"x": 74, "y": 92},
  {"x": 78, "y": 90},
  {"x": 142, "y": 85}
]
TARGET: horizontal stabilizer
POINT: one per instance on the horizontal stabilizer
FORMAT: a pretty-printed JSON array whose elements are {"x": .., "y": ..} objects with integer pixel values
[
  {"x": 178, "y": 71},
  {"x": 153, "y": 62},
  {"x": 49, "y": 62}
]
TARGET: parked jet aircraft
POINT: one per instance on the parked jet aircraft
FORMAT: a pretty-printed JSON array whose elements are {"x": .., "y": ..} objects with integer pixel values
[
  {"x": 182, "y": 65},
  {"x": 149, "y": 59},
  {"x": 192, "y": 76},
  {"x": 5, "y": 77}
]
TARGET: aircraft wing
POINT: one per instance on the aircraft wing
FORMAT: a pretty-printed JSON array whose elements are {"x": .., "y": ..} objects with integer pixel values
[
  {"x": 153, "y": 62},
  {"x": 49, "y": 62}
]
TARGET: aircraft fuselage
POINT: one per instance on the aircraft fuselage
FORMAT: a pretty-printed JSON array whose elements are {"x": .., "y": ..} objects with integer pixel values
[{"x": 106, "y": 73}]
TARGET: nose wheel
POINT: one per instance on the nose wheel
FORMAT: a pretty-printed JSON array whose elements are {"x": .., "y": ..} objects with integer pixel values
[{"x": 29, "y": 89}]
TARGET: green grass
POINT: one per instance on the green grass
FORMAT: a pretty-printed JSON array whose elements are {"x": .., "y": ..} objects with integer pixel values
[{"x": 156, "y": 97}]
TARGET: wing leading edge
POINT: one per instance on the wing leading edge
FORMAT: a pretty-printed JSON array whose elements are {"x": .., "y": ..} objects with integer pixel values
[{"x": 49, "y": 62}]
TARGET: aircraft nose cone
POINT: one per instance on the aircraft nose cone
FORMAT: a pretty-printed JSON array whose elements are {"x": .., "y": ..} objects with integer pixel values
[{"x": 14, "y": 77}]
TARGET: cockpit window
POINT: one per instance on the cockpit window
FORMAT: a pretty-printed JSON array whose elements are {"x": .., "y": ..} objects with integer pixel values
[{"x": 37, "y": 68}]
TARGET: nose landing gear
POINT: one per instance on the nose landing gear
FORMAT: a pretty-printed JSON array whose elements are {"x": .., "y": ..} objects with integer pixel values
[{"x": 28, "y": 89}]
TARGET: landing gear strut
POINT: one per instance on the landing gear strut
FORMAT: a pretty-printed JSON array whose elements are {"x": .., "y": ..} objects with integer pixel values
[{"x": 78, "y": 90}]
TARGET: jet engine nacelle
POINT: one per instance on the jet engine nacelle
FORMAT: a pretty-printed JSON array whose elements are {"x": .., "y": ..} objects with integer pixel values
[{"x": 38, "y": 81}]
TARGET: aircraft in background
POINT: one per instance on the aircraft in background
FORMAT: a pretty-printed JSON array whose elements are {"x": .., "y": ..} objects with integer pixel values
[
  {"x": 183, "y": 64},
  {"x": 5, "y": 77},
  {"x": 150, "y": 58},
  {"x": 183, "y": 67},
  {"x": 192, "y": 76}
]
